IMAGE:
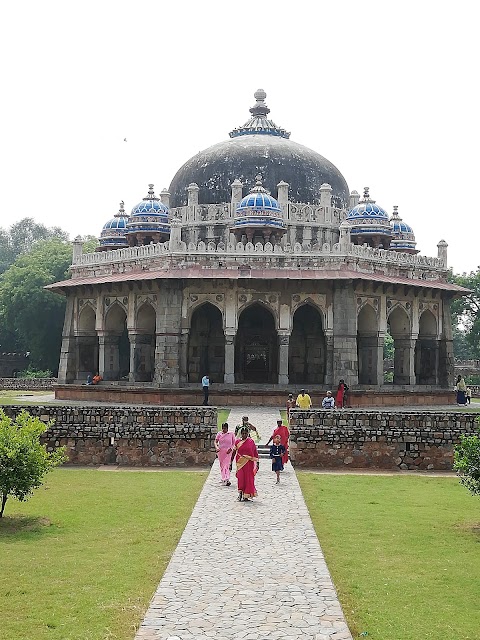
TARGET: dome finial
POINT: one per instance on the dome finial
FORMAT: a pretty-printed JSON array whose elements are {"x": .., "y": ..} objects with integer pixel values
[
  {"x": 259, "y": 108},
  {"x": 121, "y": 210},
  {"x": 259, "y": 123},
  {"x": 395, "y": 214},
  {"x": 258, "y": 188},
  {"x": 366, "y": 193}
]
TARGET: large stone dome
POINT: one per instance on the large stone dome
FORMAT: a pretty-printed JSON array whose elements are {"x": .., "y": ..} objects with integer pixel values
[{"x": 258, "y": 147}]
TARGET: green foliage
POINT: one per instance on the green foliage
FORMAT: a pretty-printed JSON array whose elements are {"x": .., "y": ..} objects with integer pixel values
[
  {"x": 466, "y": 311},
  {"x": 31, "y": 373},
  {"x": 31, "y": 317},
  {"x": 23, "y": 459},
  {"x": 21, "y": 237},
  {"x": 388, "y": 347},
  {"x": 467, "y": 462}
]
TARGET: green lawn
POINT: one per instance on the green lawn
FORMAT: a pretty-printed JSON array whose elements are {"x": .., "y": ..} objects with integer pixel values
[
  {"x": 10, "y": 396},
  {"x": 81, "y": 559},
  {"x": 404, "y": 553},
  {"x": 222, "y": 416}
]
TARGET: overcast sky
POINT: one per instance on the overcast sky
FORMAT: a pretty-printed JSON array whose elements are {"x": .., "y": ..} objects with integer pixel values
[{"x": 386, "y": 91}]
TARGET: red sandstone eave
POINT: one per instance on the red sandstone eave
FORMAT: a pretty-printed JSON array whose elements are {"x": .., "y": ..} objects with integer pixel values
[{"x": 197, "y": 272}]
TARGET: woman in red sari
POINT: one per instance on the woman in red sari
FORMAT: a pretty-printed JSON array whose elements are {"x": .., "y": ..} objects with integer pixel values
[
  {"x": 246, "y": 457},
  {"x": 284, "y": 434}
]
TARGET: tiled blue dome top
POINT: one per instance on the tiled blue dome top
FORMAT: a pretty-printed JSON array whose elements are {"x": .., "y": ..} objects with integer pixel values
[
  {"x": 259, "y": 123},
  {"x": 398, "y": 225},
  {"x": 114, "y": 230},
  {"x": 258, "y": 200},
  {"x": 367, "y": 209},
  {"x": 151, "y": 206}
]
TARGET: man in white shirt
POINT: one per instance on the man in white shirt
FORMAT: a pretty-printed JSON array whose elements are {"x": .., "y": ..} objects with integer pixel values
[
  {"x": 329, "y": 401},
  {"x": 205, "y": 387}
]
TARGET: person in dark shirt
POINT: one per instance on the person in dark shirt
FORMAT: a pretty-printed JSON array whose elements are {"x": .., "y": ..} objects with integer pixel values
[{"x": 277, "y": 451}]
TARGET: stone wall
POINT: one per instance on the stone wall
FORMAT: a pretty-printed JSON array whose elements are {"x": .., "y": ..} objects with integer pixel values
[
  {"x": 28, "y": 384},
  {"x": 377, "y": 439},
  {"x": 130, "y": 436}
]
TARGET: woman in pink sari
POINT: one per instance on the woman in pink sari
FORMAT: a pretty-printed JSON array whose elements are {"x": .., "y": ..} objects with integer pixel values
[
  {"x": 247, "y": 459},
  {"x": 224, "y": 444}
]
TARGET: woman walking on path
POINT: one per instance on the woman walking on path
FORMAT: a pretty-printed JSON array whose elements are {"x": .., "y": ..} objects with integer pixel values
[
  {"x": 224, "y": 444},
  {"x": 246, "y": 458},
  {"x": 284, "y": 434},
  {"x": 277, "y": 451}
]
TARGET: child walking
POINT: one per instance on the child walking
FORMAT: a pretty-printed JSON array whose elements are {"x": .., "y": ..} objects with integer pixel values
[{"x": 277, "y": 451}]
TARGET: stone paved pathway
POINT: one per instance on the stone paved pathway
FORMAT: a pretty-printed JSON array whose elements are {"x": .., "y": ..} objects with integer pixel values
[{"x": 249, "y": 570}]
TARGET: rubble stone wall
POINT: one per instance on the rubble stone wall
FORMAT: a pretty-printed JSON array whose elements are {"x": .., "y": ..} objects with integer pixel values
[
  {"x": 130, "y": 436},
  {"x": 377, "y": 439}
]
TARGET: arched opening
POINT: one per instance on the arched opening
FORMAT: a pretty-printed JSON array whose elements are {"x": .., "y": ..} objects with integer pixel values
[
  {"x": 116, "y": 344},
  {"x": 87, "y": 344},
  {"x": 426, "y": 350},
  {"x": 206, "y": 344},
  {"x": 369, "y": 357},
  {"x": 307, "y": 349},
  {"x": 399, "y": 326},
  {"x": 143, "y": 343},
  {"x": 256, "y": 346}
]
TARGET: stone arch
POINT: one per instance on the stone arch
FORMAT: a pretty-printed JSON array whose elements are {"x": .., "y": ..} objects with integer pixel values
[
  {"x": 87, "y": 343},
  {"x": 117, "y": 344},
  {"x": 200, "y": 303},
  {"x": 142, "y": 344},
  {"x": 427, "y": 350},
  {"x": 206, "y": 344},
  {"x": 256, "y": 345},
  {"x": 369, "y": 350},
  {"x": 307, "y": 354},
  {"x": 263, "y": 304},
  {"x": 399, "y": 325}
]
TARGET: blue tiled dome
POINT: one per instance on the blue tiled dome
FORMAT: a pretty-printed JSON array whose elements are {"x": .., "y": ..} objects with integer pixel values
[
  {"x": 149, "y": 216},
  {"x": 403, "y": 236},
  {"x": 259, "y": 209},
  {"x": 113, "y": 234},
  {"x": 367, "y": 218}
]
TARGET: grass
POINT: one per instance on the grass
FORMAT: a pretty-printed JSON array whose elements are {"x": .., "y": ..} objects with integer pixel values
[
  {"x": 81, "y": 559},
  {"x": 404, "y": 553},
  {"x": 11, "y": 396},
  {"x": 222, "y": 416}
]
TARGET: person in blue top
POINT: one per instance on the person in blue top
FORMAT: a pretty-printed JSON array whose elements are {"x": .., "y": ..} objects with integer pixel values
[
  {"x": 329, "y": 401},
  {"x": 206, "y": 388}
]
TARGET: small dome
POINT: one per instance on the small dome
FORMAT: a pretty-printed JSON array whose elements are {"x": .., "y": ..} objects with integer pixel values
[
  {"x": 367, "y": 218},
  {"x": 149, "y": 216},
  {"x": 403, "y": 236},
  {"x": 259, "y": 210},
  {"x": 113, "y": 235}
]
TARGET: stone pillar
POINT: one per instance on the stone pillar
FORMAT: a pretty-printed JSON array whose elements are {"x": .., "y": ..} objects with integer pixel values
[
  {"x": 77, "y": 250},
  {"x": 282, "y": 194},
  {"x": 354, "y": 199},
  {"x": 442, "y": 252},
  {"x": 345, "y": 361},
  {"x": 345, "y": 239},
  {"x": 446, "y": 363},
  {"x": 167, "y": 340},
  {"x": 237, "y": 188},
  {"x": 329, "y": 380},
  {"x": 165, "y": 197},
  {"x": 379, "y": 360},
  {"x": 183, "y": 354},
  {"x": 283, "y": 342},
  {"x": 404, "y": 364},
  {"x": 108, "y": 356},
  {"x": 67, "y": 367},
  {"x": 229, "y": 375},
  {"x": 193, "y": 190},
  {"x": 140, "y": 357},
  {"x": 325, "y": 195}
]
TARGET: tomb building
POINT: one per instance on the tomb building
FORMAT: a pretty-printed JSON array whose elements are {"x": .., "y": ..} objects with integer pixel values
[{"x": 258, "y": 266}]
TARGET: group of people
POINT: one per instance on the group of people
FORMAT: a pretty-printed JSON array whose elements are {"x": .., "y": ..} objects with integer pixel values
[
  {"x": 464, "y": 393},
  {"x": 241, "y": 448},
  {"x": 304, "y": 401}
]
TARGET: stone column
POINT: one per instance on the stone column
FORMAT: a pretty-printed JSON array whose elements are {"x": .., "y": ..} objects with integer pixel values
[
  {"x": 108, "y": 356},
  {"x": 229, "y": 375},
  {"x": 379, "y": 359},
  {"x": 283, "y": 342},
  {"x": 167, "y": 340},
  {"x": 345, "y": 360},
  {"x": 404, "y": 365},
  {"x": 183, "y": 354},
  {"x": 329, "y": 359},
  {"x": 67, "y": 367}
]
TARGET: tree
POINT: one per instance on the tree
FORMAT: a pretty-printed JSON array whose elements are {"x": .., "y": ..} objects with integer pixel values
[
  {"x": 31, "y": 317},
  {"x": 466, "y": 462},
  {"x": 21, "y": 237},
  {"x": 466, "y": 312},
  {"x": 24, "y": 461}
]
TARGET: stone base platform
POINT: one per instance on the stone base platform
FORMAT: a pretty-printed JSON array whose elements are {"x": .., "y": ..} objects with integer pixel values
[{"x": 249, "y": 395}]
